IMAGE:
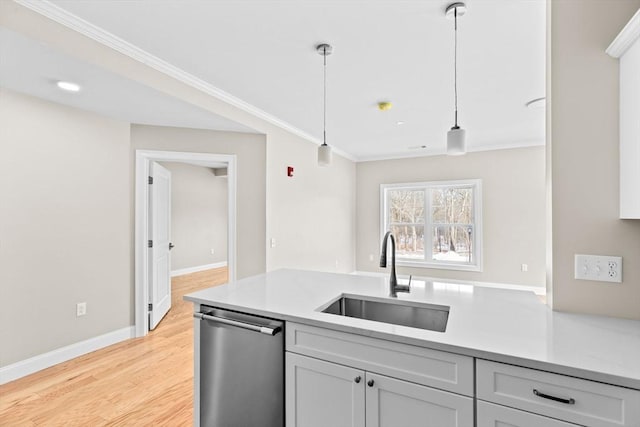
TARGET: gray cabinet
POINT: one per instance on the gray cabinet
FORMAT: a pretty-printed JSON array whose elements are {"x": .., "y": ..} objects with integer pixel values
[
  {"x": 570, "y": 399},
  {"x": 338, "y": 379},
  {"x": 391, "y": 402},
  {"x": 320, "y": 394},
  {"x": 490, "y": 415}
]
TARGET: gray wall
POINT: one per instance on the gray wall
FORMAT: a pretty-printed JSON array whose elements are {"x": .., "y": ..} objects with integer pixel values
[
  {"x": 312, "y": 214},
  {"x": 585, "y": 157},
  {"x": 513, "y": 205},
  {"x": 251, "y": 190},
  {"x": 198, "y": 216},
  {"x": 65, "y": 212},
  {"x": 66, "y": 218}
]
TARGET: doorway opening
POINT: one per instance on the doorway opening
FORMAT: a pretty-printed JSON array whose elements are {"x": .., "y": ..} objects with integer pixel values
[{"x": 144, "y": 161}]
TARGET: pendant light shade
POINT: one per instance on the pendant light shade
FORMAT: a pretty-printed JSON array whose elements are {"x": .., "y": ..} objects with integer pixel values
[
  {"x": 324, "y": 155},
  {"x": 324, "y": 151},
  {"x": 456, "y": 141},
  {"x": 456, "y": 144}
]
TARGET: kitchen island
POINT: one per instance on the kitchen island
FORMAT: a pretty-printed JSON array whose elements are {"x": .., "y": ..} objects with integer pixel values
[{"x": 503, "y": 357}]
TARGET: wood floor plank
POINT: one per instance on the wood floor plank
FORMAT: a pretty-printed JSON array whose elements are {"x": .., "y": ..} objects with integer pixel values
[{"x": 142, "y": 381}]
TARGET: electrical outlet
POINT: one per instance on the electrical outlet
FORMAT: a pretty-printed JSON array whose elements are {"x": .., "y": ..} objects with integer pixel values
[
  {"x": 524, "y": 268},
  {"x": 598, "y": 268},
  {"x": 81, "y": 309},
  {"x": 213, "y": 251},
  {"x": 272, "y": 242}
]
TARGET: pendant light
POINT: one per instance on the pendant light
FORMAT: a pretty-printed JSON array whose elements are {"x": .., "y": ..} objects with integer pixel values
[
  {"x": 456, "y": 136},
  {"x": 324, "y": 151}
]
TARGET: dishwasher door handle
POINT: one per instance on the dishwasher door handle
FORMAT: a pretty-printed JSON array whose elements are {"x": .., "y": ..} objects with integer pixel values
[{"x": 262, "y": 329}]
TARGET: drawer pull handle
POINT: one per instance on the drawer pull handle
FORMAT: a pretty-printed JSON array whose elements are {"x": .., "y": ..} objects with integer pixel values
[{"x": 569, "y": 401}]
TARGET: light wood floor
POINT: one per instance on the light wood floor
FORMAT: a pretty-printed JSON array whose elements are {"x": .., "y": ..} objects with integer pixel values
[{"x": 139, "y": 382}]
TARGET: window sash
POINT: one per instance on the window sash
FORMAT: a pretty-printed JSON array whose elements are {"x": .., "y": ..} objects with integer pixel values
[{"x": 429, "y": 225}]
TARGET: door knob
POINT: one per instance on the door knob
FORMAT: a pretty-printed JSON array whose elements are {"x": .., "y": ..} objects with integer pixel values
[
  {"x": 171, "y": 245},
  {"x": 357, "y": 379},
  {"x": 370, "y": 383}
]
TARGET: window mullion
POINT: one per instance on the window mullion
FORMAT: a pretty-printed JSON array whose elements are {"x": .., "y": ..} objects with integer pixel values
[{"x": 428, "y": 226}]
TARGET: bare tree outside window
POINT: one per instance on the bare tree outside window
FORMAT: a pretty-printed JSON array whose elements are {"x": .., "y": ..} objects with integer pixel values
[
  {"x": 452, "y": 216},
  {"x": 433, "y": 222},
  {"x": 406, "y": 221}
]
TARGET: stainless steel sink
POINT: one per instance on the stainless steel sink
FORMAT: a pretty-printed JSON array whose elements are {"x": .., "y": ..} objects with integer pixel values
[{"x": 405, "y": 313}]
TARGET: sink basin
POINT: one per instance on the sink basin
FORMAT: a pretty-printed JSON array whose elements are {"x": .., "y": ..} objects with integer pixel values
[{"x": 405, "y": 313}]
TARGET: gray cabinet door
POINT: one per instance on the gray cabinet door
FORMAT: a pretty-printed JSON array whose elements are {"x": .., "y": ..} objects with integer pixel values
[
  {"x": 392, "y": 403},
  {"x": 321, "y": 394}
]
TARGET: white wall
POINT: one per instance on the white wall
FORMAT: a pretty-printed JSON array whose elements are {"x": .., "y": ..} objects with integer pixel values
[
  {"x": 198, "y": 216},
  {"x": 513, "y": 205},
  {"x": 65, "y": 228},
  {"x": 251, "y": 189},
  {"x": 585, "y": 157}
]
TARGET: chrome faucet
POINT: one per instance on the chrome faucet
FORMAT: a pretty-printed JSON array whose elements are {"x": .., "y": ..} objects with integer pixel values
[{"x": 393, "y": 281}]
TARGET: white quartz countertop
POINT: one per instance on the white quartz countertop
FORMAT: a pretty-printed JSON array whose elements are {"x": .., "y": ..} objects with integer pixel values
[{"x": 507, "y": 326}]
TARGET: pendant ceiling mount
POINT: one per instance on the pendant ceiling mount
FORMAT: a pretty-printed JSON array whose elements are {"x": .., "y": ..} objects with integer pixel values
[
  {"x": 324, "y": 49},
  {"x": 459, "y": 8}
]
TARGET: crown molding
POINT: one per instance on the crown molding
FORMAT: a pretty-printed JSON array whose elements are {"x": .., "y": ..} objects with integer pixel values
[
  {"x": 75, "y": 23},
  {"x": 629, "y": 34}
]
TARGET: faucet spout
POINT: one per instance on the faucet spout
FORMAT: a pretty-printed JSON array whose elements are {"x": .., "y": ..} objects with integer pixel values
[{"x": 393, "y": 281}]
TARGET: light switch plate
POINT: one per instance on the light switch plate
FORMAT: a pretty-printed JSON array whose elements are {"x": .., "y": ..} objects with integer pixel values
[
  {"x": 599, "y": 268},
  {"x": 81, "y": 309}
]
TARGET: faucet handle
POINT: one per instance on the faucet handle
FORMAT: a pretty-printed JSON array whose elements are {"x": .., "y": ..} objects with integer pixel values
[{"x": 404, "y": 288}]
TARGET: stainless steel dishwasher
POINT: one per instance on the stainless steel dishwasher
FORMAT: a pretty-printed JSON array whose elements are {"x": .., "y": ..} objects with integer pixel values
[{"x": 241, "y": 381}]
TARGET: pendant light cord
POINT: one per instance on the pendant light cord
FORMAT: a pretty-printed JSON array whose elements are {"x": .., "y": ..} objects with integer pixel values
[
  {"x": 324, "y": 112},
  {"x": 455, "y": 63}
]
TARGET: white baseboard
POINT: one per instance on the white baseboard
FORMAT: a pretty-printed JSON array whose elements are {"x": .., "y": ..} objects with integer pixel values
[
  {"x": 538, "y": 290},
  {"x": 42, "y": 361},
  {"x": 197, "y": 268}
]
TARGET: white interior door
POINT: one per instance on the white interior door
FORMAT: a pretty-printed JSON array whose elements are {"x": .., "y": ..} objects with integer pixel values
[{"x": 160, "y": 245}]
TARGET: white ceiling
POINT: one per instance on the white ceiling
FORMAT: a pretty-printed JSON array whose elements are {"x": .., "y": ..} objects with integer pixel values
[
  {"x": 263, "y": 52},
  {"x": 33, "y": 68}
]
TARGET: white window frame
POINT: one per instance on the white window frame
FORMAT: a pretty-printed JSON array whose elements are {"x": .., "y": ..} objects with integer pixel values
[{"x": 477, "y": 223}]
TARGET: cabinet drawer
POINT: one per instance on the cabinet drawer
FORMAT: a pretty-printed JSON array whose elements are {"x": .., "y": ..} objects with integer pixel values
[
  {"x": 579, "y": 401},
  {"x": 439, "y": 369},
  {"x": 490, "y": 415}
]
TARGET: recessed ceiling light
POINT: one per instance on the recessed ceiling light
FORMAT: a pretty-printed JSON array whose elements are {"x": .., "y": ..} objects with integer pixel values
[
  {"x": 399, "y": 122},
  {"x": 68, "y": 86},
  {"x": 537, "y": 103}
]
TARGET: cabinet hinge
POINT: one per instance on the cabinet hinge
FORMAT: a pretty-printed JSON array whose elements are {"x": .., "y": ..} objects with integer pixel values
[
  {"x": 150, "y": 307},
  {"x": 150, "y": 180},
  {"x": 150, "y": 243}
]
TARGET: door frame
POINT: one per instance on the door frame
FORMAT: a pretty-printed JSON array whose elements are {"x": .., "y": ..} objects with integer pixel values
[{"x": 141, "y": 231}]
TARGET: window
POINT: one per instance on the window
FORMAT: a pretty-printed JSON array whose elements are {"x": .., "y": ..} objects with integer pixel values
[{"x": 435, "y": 224}]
